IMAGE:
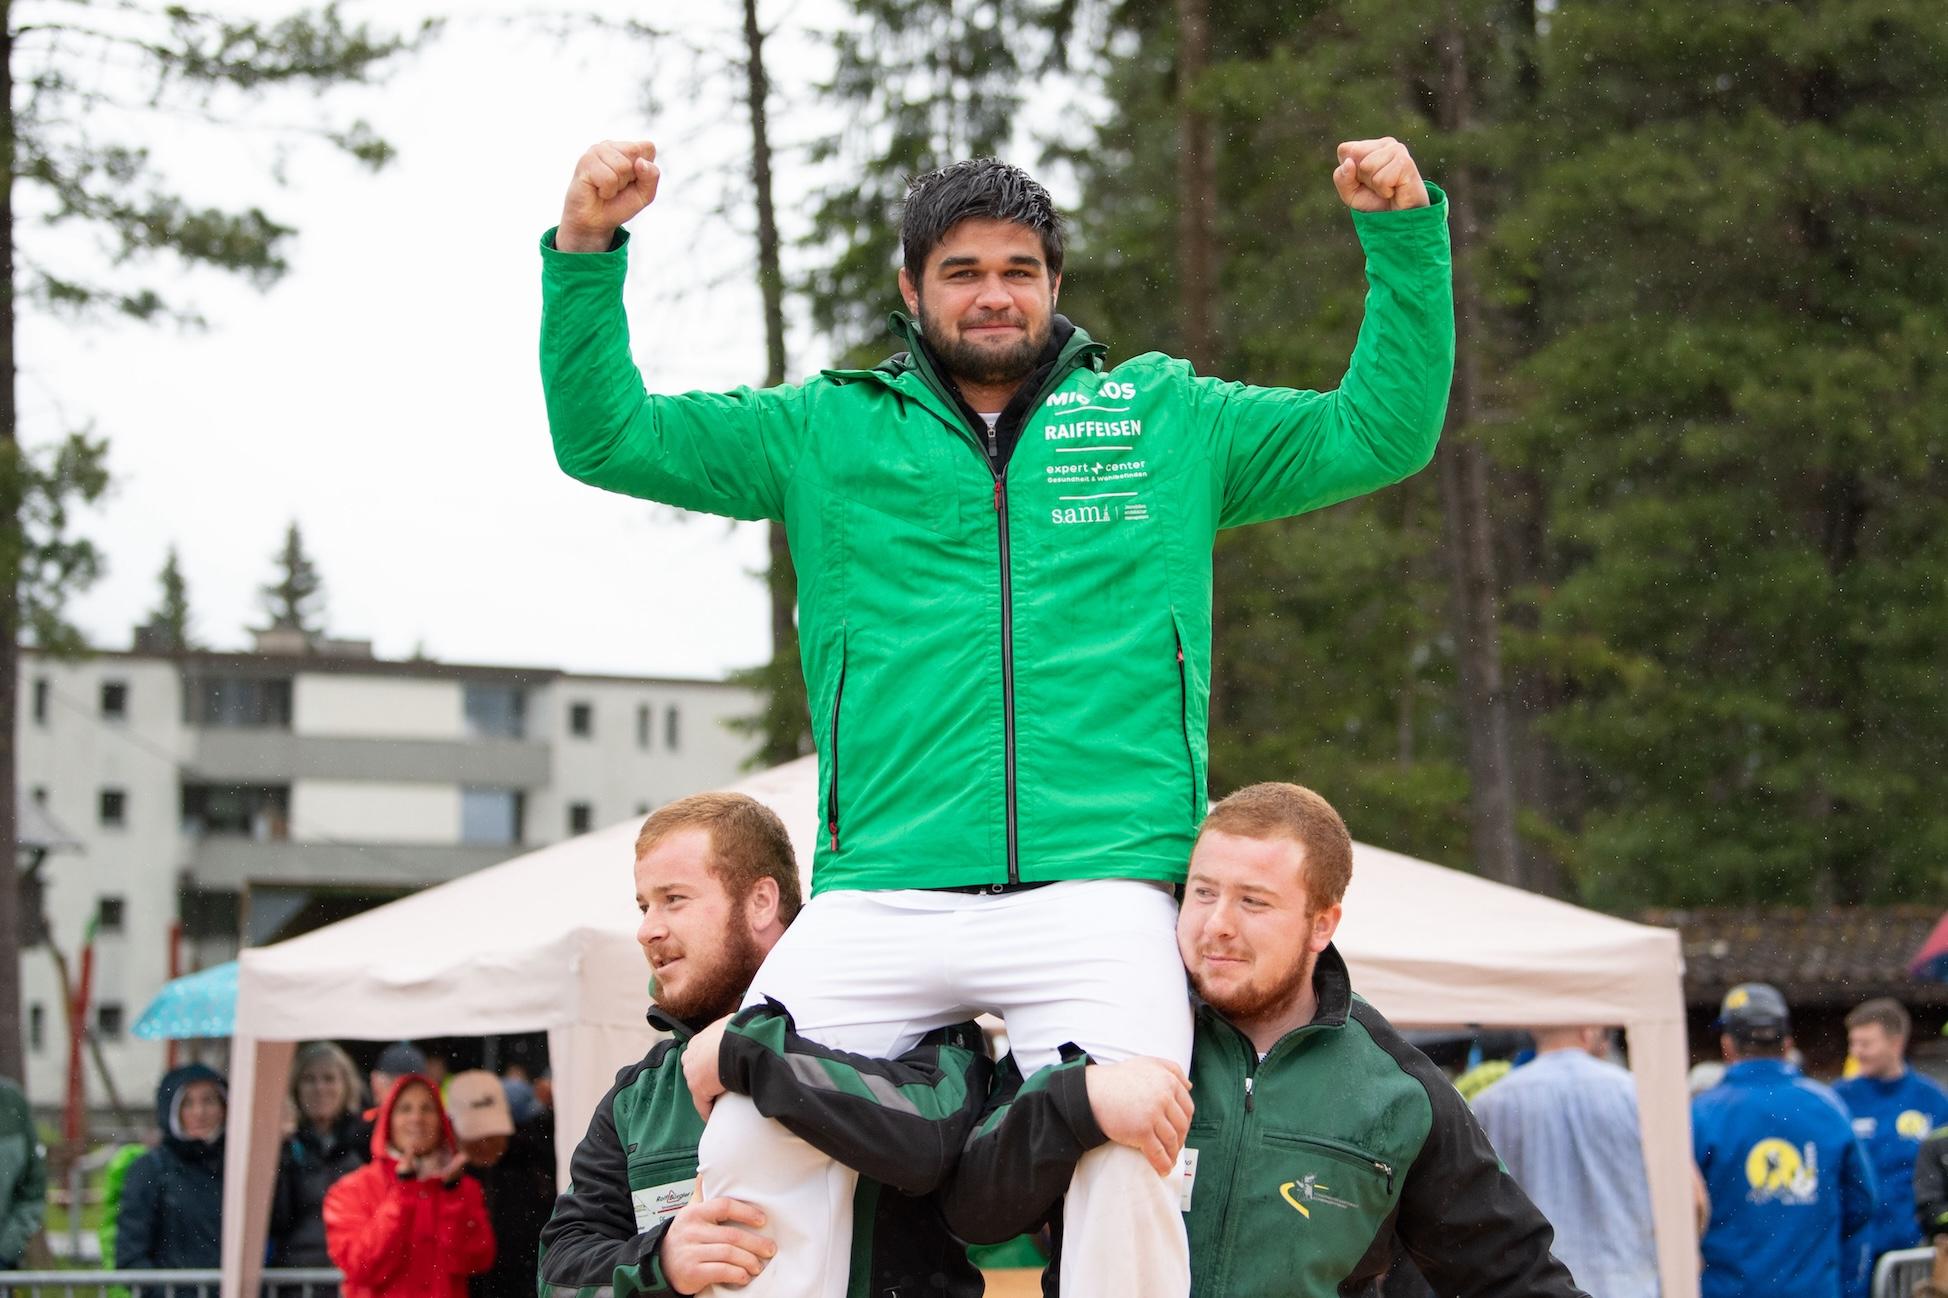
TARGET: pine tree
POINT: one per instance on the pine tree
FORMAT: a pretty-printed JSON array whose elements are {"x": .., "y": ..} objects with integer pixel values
[
  {"x": 169, "y": 621},
  {"x": 296, "y": 600}
]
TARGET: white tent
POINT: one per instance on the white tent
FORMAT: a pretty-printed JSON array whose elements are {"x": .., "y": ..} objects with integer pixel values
[{"x": 546, "y": 942}]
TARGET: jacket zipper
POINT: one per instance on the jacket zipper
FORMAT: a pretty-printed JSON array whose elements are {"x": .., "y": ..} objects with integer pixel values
[
  {"x": 1183, "y": 711},
  {"x": 1007, "y": 653},
  {"x": 832, "y": 797},
  {"x": 1245, "y": 1123}
]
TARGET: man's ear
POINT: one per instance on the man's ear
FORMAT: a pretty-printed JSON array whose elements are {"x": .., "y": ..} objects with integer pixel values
[
  {"x": 1324, "y": 925},
  {"x": 1054, "y": 289},
  {"x": 761, "y": 905},
  {"x": 910, "y": 292}
]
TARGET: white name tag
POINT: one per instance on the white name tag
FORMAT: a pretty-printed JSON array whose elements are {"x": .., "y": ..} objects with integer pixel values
[
  {"x": 660, "y": 1201},
  {"x": 1186, "y": 1176}
]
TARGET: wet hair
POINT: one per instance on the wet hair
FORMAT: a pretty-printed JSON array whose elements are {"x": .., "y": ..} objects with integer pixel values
[
  {"x": 1289, "y": 811},
  {"x": 978, "y": 188},
  {"x": 747, "y": 843},
  {"x": 1886, "y": 1011}
]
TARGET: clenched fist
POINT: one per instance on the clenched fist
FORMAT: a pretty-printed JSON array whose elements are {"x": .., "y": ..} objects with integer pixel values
[
  {"x": 1378, "y": 176},
  {"x": 613, "y": 181}
]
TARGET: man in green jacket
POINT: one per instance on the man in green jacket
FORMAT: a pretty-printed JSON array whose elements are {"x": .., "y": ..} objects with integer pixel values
[
  {"x": 1325, "y": 1150},
  {"x": 717, "y": 884},
  {"x": 23, "y": 1176},
  {"x": 1003, "y": 548}
]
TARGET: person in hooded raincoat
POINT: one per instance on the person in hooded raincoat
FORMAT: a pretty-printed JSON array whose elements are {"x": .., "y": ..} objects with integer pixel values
[
  {"x": 172, "y": 1198},
  {"x": 411, "y": 1223}
]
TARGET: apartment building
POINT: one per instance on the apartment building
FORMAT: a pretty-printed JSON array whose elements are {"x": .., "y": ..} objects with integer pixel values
[{"x": 201, "y": 801}]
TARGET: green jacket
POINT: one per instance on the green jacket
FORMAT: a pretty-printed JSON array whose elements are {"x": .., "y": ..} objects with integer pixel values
[
  {"x": 1339, "y": 1155},
  {"x": 899, "y": 1121},
  {"x": 23, "y": 1175},
  {"x": 1008, "y": 668}
]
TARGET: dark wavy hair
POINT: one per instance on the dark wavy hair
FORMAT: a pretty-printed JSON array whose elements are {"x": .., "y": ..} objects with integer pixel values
[{"x": 979, "y": 187}]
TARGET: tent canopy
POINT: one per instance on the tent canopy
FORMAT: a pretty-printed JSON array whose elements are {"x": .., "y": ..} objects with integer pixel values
[{"x": 547, "y": 942}]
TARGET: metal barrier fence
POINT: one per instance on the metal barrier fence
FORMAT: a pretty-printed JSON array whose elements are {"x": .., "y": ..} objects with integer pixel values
[
  {"x": 310, "y": 1282},
  {"x": 1896, "y": 1274}
]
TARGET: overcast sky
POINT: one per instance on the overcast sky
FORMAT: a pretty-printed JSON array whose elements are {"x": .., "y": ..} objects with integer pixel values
[{"x": 385, "y": 393}]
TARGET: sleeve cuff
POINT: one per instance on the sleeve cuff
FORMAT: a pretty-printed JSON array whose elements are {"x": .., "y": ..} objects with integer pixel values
[
  {"x": 1405, "y": 222},
  {"x": 1069, "y": 1089},
  {"x": 617, "y": 251}
]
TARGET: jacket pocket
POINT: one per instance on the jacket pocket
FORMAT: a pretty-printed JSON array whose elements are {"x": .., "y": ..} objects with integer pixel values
[
  {"x": 832, "y": 754},
  {"x": 1338, "y": 1151},
  {"x": 1195, "y": 776},
  {"x": 661, "y": 1184}
]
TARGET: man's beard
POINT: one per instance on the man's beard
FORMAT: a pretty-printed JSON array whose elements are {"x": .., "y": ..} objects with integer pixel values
[
  {"x": 1255, "y": 1002},
  {"x": 986, "y": 365},
  {"x": 718, "y": 989}
]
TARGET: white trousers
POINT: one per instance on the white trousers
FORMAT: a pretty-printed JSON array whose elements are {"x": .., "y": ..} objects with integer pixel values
[{"x": 1092, "y": 962}]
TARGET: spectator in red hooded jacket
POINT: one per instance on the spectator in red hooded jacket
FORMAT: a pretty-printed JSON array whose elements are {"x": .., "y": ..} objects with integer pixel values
[{"x": 411, "y": 1223}]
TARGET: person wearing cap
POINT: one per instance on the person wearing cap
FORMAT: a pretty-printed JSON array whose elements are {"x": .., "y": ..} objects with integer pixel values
[
  {"x": 1792, "y": 1194},
  {"x": 400, "y": 1059},
  {"x": 1894, "y": 1108},
  {"x": 518, "y": 1193}
]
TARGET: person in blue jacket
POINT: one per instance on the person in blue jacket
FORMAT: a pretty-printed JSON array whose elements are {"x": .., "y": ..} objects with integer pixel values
[
  {"x": 1894, "y": 1108},
  {"x": 1792, "y": 1196}
]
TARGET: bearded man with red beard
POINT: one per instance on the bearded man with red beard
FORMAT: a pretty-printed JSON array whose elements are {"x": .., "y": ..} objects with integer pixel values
[
  {"x": 1325, "y": 1150},
  {"x": 717, "y": 884}
]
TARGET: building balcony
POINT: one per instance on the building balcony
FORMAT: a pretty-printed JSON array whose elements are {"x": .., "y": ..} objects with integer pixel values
[
  {"x": 270, "y": 756},
  {"x": 222, "y": 862}
]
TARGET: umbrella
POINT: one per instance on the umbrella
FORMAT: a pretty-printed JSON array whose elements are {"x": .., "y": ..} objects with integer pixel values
[
  {"x": 202, "y": 1004},
  {"x": 1931, "y": 961}
]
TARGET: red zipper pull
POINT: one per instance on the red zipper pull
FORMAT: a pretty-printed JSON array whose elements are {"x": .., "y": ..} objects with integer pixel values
[
  {"x": 997, "y": 495},
  {"x": 1180, "y": 655},
  {"x": 835, "y": 835}
]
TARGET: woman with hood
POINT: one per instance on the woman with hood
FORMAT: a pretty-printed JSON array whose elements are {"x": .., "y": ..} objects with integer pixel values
[
  {"x": 329, "y": 1142},
  {"x": 172, "y": 1197},
  {"x": 411, "y": 1223}
]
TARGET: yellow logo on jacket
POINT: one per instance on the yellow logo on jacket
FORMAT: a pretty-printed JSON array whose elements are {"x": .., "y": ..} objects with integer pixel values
[
  {"x": 1781, "y": 1173},
  {"x": 1307, "y": 1190},
  {"x": 1913, "y": 1124}
]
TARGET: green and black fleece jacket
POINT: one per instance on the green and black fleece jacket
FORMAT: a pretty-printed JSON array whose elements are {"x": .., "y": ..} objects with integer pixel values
[
  {"x": 1317, "y": 1168},
  {"x": 901, "y": 1123}
]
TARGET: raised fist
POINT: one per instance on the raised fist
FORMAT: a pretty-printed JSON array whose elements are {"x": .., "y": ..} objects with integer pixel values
[
  {"x": 1378, "y": 176},
  {"x": 613, "y": 181}
]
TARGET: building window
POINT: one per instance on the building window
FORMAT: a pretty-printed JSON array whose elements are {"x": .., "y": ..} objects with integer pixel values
[
  {"x": 239, "y": 701},
  {"x": 491, "y": 817},
  {"x": 669, "y": 728},
  {"x": 581, "y": 720},
  {"x": 114, "y": 808},
  {"x": 261, "y": 812},
  {"x": 108, "y": 1021},
  {"x": 115, "y": 700},
  {"x": 40, "y": 700},
  {"x": 109, "y": 912},
  {"x": 581, "y": 817},
  {"x": 645, "y": 723},
  {"x": 37, "y": 1027},
  {"x": 496, "y": 711}
]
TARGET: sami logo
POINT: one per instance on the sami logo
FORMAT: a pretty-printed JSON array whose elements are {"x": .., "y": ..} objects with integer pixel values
[
  {"x": 1307, "y": 1191},
  {"x": 1913, "y": 1124}
]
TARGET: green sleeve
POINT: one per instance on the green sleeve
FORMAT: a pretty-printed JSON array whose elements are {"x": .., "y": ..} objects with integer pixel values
[
  {"x": 28, "y": 1206},
  {"x": 1282, "y": 452},
  {"x": 727, "y": 453}
]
